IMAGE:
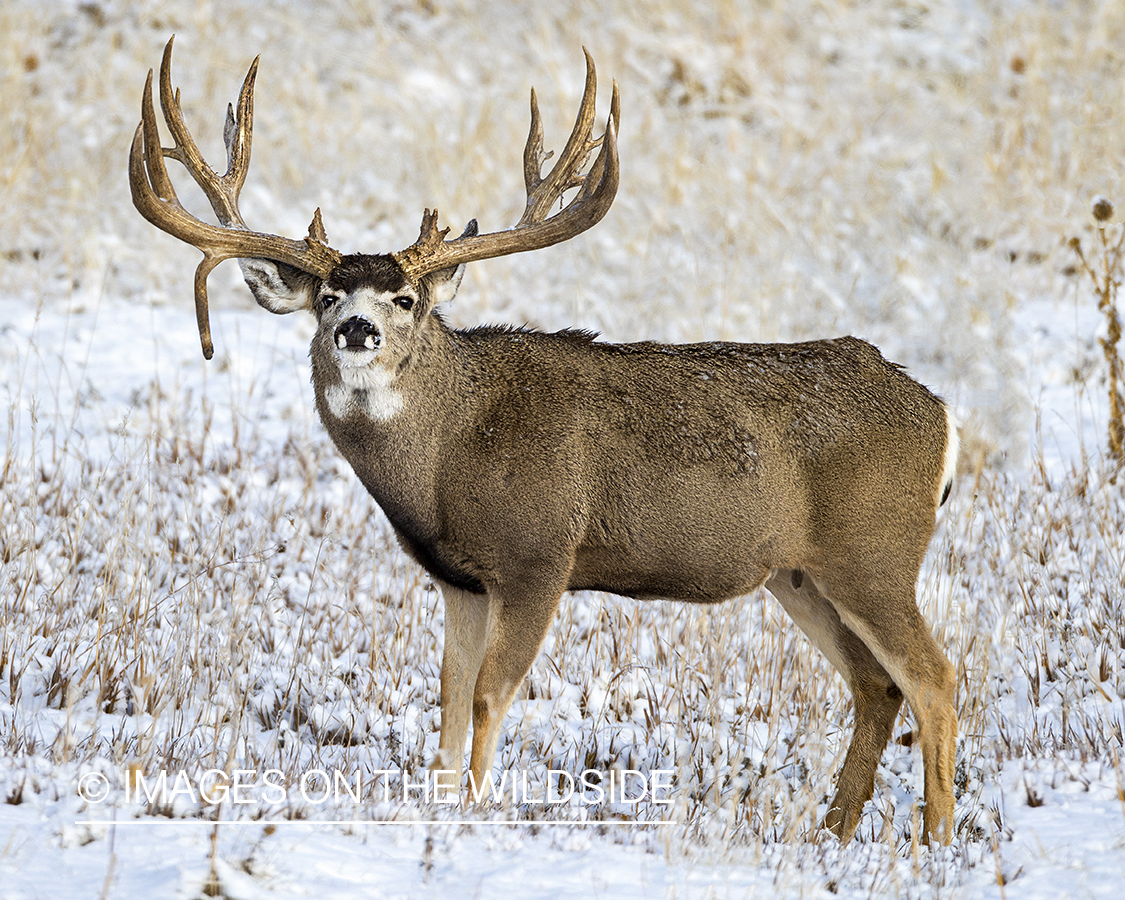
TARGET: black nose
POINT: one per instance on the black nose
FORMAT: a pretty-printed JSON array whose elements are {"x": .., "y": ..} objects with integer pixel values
[{"x": 357, "y": 334}]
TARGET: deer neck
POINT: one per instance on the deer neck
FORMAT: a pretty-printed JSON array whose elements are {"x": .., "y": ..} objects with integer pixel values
[{"x": 391, "y": 422}]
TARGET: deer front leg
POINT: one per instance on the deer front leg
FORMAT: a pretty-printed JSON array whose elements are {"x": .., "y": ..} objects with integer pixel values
[
  {"x": 522, "y": 618},
  {"x": 467, "y": 625}
]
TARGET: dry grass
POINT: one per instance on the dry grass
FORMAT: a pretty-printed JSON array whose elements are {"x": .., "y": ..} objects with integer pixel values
[
  {"x": 190, "y": 603},
  {"x": 192, "y": 589},
  {"x": 1104, "y": 271}
]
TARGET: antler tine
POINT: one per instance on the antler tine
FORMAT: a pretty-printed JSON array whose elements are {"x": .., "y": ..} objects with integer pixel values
[
  {"x": 547, "y": 190},
  {"x": 156, "y": 173},
  {"x": 221, "y": 191},
  {"x": 592, "y": 181},
  {"x": 238, "y": 139},
  {"x": 533, "y": 155},
  {"x": 155, "y": 197},
  {"x": 534, "y": 230}
]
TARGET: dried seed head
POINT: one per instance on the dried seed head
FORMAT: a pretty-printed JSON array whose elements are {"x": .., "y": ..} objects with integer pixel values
[{"x": 1102, "y": 208}]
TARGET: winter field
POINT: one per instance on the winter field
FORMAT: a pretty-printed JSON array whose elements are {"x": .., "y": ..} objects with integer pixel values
[{"x": 193, "y": 581}]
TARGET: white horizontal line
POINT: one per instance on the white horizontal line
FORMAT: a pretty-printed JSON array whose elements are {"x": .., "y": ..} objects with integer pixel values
[{"x": 174, "y": 823}]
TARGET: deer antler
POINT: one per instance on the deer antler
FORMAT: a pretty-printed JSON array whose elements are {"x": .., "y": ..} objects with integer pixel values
[
  {"x": 156, "y": 200},
  {"x": 597, "y": 188}
]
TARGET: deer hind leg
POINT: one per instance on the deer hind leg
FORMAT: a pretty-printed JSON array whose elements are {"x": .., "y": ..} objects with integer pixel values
[
  {"x": 885, "y": 617},
  {"x": 876, "y": 696},
  {"x": 467, "y": 623},
  {"x": 522, "y": 617}
]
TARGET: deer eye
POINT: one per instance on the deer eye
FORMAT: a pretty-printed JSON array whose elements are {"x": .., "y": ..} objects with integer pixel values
[
  {"x": 327, "y": 300},
  {"x": 404, "y": 302}
]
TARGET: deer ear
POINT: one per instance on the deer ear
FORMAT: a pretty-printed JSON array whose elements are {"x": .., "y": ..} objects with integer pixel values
[
  {"x": 279, "y": 287},
  {"x": 443, "y": 283}
]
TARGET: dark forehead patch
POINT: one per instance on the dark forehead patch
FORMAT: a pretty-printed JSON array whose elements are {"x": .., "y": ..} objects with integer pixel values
[{"x": 379, "y": 272}]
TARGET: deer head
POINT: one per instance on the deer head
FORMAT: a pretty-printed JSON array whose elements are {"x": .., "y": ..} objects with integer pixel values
[{"x": 401, "y": 288}]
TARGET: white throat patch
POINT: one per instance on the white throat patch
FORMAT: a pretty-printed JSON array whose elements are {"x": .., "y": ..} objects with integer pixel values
[{"x": 368, "y": 390}]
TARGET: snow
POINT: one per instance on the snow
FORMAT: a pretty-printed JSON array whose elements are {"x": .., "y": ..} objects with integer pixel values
[{"x": 192, "y": 579}]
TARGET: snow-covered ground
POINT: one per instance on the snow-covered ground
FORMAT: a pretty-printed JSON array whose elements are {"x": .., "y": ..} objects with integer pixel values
[{"x": 192, "y": 580}]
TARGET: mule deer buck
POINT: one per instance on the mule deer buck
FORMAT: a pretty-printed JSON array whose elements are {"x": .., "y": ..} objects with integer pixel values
[{"x": 516, "y": 465}]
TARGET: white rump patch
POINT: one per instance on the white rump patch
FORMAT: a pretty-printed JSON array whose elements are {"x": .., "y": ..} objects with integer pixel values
[
  {"x": 368, "y": 390},
  {"x": 952, "y": 448}
]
